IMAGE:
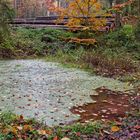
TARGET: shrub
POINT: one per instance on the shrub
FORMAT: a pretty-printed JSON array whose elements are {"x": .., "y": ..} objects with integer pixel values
[
  {"x": 122, "y": 39},
  {"x": 111, "y": 66},
  {"x": 6, "y": 14},
  {"x": 34, "y": 42}
]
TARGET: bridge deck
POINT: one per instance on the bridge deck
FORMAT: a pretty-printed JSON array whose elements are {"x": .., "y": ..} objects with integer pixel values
[{"x": 50, "y": 22}]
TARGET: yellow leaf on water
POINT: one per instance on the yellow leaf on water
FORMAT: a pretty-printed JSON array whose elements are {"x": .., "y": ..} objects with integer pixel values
[{"x": 115, "y": 128}]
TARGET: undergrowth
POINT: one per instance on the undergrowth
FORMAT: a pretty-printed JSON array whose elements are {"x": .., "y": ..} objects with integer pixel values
[
  {"x": 116, "y": 54},
  {"x": 16, "y": 127}
]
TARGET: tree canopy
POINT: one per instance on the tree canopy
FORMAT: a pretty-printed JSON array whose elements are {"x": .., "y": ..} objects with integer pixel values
[{"x": 82, "y": 13}]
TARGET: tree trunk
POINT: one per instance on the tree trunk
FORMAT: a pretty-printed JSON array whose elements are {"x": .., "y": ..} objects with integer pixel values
[
  {"x": 118, "y": 16},
  {"x": 110, "y": 2}
]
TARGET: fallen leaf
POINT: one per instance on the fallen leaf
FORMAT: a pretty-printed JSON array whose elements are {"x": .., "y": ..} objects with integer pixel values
[
  {"x": 5, "y": 131},
  {"x": 14, "y": 130},
  {"x": 19, "y": 128},
  {"x": 118, "y": 123},
  {"x": 115, "y": 128},
  {"x": 27, "y": 128},
  {"x": 42, "y": 132},
  {"x": 65, "y": 138},
  {"x": 55, "y": 138},
  {"x": 137, "y": 127},
  {"x": 107, "y": 132},
  {"x": 21, "y": 117},
  {"x": 78, "y": 134}
]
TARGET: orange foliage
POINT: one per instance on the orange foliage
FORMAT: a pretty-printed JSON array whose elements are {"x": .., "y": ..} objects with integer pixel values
[
  {"x": 81, "y": 13},
  {"x": 118, "y": 7},
  {"x": 83, "y": 41}
]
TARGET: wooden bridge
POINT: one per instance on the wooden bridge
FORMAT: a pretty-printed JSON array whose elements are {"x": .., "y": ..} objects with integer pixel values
[{"x": 50, "y": 22}]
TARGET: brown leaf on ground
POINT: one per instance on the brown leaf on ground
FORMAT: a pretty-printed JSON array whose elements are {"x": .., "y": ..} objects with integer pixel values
[
  {"x": 56, "y": 138},
  {"x": 27, "y": 128},
  {"x": 115, "y": 128}
]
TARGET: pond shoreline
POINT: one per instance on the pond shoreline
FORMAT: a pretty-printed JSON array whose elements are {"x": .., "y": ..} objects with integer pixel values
[{"x": 30, "y": 76}]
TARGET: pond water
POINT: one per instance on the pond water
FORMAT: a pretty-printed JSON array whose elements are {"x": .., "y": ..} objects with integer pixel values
[{"x": 47, "y": 91}]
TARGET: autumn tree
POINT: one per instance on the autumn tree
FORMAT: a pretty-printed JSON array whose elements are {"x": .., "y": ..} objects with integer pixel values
[
  {"x": 82, "y": 13},
  {"x": 119, "y": 8}
]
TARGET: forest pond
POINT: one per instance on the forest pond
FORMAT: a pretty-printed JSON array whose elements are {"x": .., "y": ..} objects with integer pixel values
[{"x": 48, "y": 91}]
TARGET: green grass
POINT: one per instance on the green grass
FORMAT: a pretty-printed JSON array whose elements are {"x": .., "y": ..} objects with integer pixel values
[
  {"x": 106, "y": 62},
  {"x": 9, "y": 121},
  {"x": 7, "y": 117},
  {"x": 74, "y": 131}
]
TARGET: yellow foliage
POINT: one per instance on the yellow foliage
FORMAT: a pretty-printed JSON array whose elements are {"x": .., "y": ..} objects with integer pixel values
[
  {"x": 27, "y": 128},
  {"x": 44, "y": 132},
  {"x": 82, "y": 13},
  {"x": 83, "y": 41},
  {"x": 115, "y": 128}
]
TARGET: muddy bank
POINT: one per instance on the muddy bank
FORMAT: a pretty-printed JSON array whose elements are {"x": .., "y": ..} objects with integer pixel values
[{"x": 108, "y": 105}]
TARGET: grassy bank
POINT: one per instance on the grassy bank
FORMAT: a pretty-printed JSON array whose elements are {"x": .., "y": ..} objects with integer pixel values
[
  {"x": 17, "y": 127},
  {"x": 13, "y": 127}
]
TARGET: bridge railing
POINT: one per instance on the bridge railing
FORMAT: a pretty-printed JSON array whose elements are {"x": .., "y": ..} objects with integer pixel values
[{"x": 51, "y": 20}]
